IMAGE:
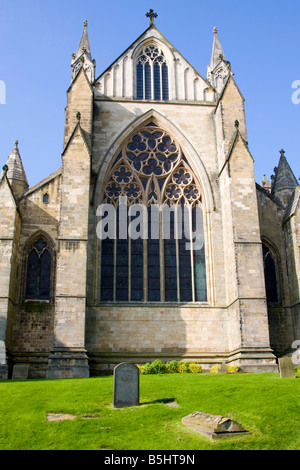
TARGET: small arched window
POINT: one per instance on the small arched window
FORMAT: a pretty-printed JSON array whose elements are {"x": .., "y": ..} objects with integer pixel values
[
  {"x": 152, "y": 82},
  {"x": 38, "y": 271},
  {"x": 46, "y": 198}
]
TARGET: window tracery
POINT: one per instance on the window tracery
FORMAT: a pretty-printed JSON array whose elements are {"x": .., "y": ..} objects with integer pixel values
[
  {"x": 152, "y": 75},
  {"x": 152, "y": 170}
]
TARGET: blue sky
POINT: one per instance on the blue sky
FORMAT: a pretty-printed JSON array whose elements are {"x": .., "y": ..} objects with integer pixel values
[{"x": 260, "y": 38}]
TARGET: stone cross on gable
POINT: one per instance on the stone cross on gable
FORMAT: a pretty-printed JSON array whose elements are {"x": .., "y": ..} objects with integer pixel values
[
  {"x": 151, "y": 15},
  {"x": 282, "y": 153}
]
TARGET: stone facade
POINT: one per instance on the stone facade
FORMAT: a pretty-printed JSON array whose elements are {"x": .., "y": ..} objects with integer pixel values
[{"x": 251, "y": 311}]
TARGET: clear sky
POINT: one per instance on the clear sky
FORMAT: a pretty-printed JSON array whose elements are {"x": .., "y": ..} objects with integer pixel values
[{"x": 261, "y": 39}]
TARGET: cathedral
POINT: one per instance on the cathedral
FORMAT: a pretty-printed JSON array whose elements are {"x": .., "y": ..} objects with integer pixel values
[{"x": 77, "y": 297}]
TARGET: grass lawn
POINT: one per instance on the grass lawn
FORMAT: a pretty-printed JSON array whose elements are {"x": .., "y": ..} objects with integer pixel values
[{"x": 264, "y": 404}]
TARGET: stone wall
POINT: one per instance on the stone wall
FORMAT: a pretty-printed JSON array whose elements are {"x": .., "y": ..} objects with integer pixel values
[{"x": 151, "y": 331}]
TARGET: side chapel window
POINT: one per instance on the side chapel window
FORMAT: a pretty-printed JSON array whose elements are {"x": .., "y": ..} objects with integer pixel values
[
  {"x": 152, "y": 75},
  {"x": 152, "y": 170},
  {"x": 38, "y": 272}
]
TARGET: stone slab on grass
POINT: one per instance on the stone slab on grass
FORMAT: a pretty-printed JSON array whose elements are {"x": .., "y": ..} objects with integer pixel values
[{"x": 213, "y": 426}]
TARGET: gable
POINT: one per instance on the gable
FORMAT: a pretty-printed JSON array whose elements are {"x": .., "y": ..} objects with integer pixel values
[{"x": 119, "y": 80}]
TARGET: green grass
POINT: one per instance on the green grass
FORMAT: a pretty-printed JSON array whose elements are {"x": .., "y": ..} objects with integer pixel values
[{"x": 264, "y": 404}]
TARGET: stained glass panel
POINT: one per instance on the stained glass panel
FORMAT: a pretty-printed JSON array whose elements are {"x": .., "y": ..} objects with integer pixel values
[
  {"x": 32, "y": 275},
  {"x": 165, "y": 83},
  {"x": 157, "y": 84},
  {"x": 153, "y": 256},
  {"x": 139, "y": 81},
  {"x": 170, "y": 265},
  {"x": 45, "y": 276},
  {"x": 107, "y": 270},
  {"x": 147, "y": 81},
  {"x": 137, "y": 270}
]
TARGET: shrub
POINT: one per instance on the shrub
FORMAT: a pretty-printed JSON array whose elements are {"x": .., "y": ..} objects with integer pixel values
[
  {"x": 172, "y": 367},
  {"x": 230, "y": 369},
  {"x": 195, "y": 368},
  {"x": 141, "y": 369},
  {"x": 158, "y": 367},
  {"x": 233, "y": 369},
  {"x": 214, "y": 369},
  {"x": 147, "y": 368},
  {"x": 183, "y": 367}
]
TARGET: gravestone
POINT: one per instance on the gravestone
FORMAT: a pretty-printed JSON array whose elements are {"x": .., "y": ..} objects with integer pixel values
[
  {"x": 20, "y": 372},
  {"x": 286, "y": 367},
  {"x": 126, "y": 385},
  {"x": 213, "y": 426}
]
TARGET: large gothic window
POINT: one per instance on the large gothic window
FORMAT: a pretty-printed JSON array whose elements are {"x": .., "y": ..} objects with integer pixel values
[
  {"x": 38, "y": 272},
  {"x": 153, "y": 188},
  {"x": 152, "y": 75}
]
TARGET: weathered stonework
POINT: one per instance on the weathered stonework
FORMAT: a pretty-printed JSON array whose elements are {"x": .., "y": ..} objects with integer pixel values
[{"x": 73, "y": 334}]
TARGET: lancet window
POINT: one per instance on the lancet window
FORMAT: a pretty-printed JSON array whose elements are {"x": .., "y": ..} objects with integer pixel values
[
  {"x": 155, "y": 194},
  {"x": 38, "y": 271},
  {"x": 152, "y": 81}
]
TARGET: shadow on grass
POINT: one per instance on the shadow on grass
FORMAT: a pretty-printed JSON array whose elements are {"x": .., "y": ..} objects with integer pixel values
[{"x": 164, "y": 401}]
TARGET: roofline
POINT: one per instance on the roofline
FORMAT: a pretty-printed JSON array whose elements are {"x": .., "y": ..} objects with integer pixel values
[
  {"x": 41, "y": 183},
  {"x": 232, "y": 145},
  {"x": 152, "y": 26},
  {"x": 269, "y": 195},
  {"x": 5, "y": 178},
  {"x": 230, "y": 76},
  {"x": 75, "y": 78},
  {"x": 107, "y": 69}
]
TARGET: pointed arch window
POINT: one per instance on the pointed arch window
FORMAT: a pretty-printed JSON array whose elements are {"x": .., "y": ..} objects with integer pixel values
[
  {"x": 38, "y": 271},
  {"x": 163, "y": 262},
  {"x": 152, "y": 82}
]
